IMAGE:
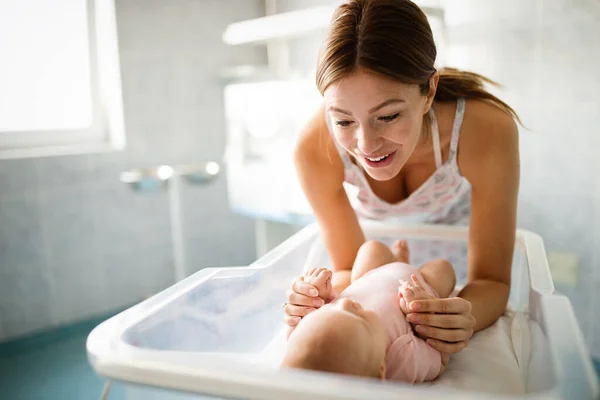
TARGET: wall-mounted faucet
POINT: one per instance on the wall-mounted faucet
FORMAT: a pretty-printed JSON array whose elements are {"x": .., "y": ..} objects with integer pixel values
[
  {"x": 156, "y": 178},
  {"x": 169, "y": 178}
]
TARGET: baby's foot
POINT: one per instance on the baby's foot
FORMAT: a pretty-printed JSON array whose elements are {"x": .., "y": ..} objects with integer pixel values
[
  {"x": 411, "y": 291},
  {"x": 320, "y": 278},
  {"x": 400, "y": 251}
]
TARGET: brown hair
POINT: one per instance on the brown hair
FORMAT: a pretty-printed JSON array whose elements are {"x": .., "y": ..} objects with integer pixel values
[{"x": 393, "y": 38}]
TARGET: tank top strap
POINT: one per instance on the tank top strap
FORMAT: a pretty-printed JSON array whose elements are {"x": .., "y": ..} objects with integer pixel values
[
  {"x": 458, "y": 120},
  {"x": 435, "y": 135}
]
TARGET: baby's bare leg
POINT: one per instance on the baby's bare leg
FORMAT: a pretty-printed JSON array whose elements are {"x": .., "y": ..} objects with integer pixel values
[
  {"x": 372, "y": 254},
  {"x": 439, "y": 274},
  {"x": 401, "y": 251}
]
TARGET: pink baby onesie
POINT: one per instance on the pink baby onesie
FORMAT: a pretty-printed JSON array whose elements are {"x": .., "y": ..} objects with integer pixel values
[{"x": 408, "y": 357}]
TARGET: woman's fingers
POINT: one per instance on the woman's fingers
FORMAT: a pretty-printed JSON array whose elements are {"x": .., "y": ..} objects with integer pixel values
[
  {"x": 297, "y": 311},
  {"x": 447, "y": 324},
  {"x": 298, "y": 299},
  {"x": 446, "y": 335},
  {"x": 447, "y": 321},
  {"x": 302, "y": 300},
  {"x": 446, "y": 347},
  {"x": 454, "y": 305},
  {"x": 301, "y": 287},
  {"x": 291, "y": 321}
]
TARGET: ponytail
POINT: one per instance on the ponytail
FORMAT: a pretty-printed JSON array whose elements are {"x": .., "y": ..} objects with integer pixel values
[{"x": 454, "y": 84}]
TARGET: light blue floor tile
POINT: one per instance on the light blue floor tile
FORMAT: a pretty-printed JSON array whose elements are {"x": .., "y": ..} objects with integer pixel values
[{"x": 57, "y": 370}]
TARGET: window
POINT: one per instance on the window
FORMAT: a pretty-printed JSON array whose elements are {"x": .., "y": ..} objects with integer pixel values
[{"x": 60, "y": 87}]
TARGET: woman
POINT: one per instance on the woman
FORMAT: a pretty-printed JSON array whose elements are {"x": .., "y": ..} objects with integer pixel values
[{"x": 417, "y": 144}]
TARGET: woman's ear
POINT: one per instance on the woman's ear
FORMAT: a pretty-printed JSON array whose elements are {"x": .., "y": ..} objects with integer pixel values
[{"x": 433, "y": 84}]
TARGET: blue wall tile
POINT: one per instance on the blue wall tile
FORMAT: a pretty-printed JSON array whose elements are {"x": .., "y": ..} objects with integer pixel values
[
  {"x": 67, "y": 223},
  {"x": 21, "y": 239},
  {"x": 78, "y": 289},
  {"x": 63, "y": 173},
  {"x": 135, "y": 274},
  {"x": 25, "y": 300},
  {"x": 17, "y": 177},
  {"x": 125, "y": 219}
]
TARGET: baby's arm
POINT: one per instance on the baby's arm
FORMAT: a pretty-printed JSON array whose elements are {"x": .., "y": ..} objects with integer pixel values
[{"x": 414, "y": 361}]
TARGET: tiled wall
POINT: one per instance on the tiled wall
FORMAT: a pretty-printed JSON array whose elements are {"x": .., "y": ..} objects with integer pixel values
[
  {"x": 547, "y": 55},
  {"x": 74, "y": 241}
]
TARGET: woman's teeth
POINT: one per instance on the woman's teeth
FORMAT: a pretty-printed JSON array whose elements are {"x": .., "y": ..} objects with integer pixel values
[{"x": 377, "y": 159}]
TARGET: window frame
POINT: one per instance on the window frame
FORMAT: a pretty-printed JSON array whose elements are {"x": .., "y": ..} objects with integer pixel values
[{"x": 107, "y": 131}]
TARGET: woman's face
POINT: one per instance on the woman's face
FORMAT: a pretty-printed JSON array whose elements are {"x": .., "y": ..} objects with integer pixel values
[{"x": 376, "y": 119}]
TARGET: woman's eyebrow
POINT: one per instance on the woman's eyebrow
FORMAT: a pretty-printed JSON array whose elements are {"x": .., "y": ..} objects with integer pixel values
[
  {"x": 386, "y": 103},
  {"x": 335, "y": 109}
]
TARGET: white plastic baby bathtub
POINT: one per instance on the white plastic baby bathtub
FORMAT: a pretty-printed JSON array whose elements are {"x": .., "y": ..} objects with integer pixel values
[{"x": 219, "y": 333}]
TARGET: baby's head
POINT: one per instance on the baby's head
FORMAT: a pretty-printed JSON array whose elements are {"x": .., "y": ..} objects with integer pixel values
[{"x": 341, "y": 337}]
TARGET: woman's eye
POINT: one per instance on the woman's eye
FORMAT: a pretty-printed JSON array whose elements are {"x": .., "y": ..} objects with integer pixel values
[
  {"x": 343, "y": 124},
  {"x": 389, "y": 118}
]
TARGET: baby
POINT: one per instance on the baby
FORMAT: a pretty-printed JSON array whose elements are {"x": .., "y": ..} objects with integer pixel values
[{"x": 364, "y": 331}]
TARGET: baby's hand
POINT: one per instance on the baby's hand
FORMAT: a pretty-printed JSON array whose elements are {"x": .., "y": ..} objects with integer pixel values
[
  {"x": 320, "y": 278},
  {"x": 411, "y": 291}
]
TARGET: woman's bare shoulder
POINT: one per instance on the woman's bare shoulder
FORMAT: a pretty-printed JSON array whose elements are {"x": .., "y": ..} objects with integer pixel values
[{"x": 488, "y": 134}]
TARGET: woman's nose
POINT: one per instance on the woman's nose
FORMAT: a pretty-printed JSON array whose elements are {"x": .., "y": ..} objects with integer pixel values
[{"x": 367, "y": 141}]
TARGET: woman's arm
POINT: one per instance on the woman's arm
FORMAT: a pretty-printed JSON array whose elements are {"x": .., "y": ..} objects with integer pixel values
[
  {"x": 492, "y": 167},
  {"x": 489, "y": 159},
  {"x": 321, "y": 174}
]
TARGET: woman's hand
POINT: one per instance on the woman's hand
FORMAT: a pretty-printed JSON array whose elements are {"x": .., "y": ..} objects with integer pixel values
[
  {"x": 303, "y": 298},
  {"x": 446, "y": 324}
]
